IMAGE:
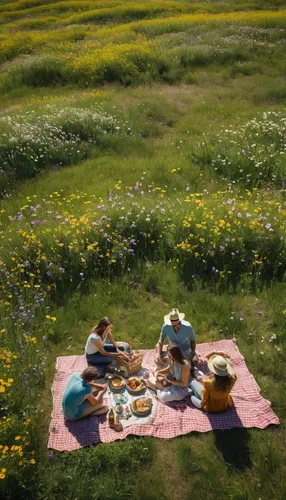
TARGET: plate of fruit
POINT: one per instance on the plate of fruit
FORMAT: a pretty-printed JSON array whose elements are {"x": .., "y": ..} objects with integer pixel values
[
  {"x": 141, "y": 406},
  {"x": 136, "y": 384}
]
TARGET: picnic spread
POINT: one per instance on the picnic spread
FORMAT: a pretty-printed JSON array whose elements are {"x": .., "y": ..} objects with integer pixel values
[
  {"x": 130, "y": 406},
  {"x": 141, "y": 414}
]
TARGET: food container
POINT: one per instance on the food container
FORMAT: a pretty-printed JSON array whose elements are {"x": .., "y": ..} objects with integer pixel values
[
  {"x": 136, "y": 385},
  {"x": 118, "y": 408},
  {"x": 116, "y": 383},
  {"x": 141, "y": 407}
]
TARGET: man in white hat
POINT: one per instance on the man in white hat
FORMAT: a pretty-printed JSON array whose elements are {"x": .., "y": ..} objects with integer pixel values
[{"x": 180, "y": 333}]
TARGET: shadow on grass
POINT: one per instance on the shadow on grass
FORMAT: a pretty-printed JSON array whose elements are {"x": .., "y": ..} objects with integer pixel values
[
  {"x": 233, "y": 444},
  {"x": 231, "y": 438}
]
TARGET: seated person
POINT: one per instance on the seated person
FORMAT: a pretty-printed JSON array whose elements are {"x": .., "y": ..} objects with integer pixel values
[
  {"x": 174, "y": 387},
  {"x": 78, "y": 400},
  {"x": 212, "y": 393},
  {"x": 179, "y": 333},
  {"x": 98, "y": 352}
]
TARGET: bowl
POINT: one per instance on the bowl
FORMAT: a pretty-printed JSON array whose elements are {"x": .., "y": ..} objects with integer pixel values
[
  {"x": 141, "y": 406},
  {"x": 117, "y": 383},
  {"x": 136, "y": 385},
  {"x": 118, "y": 408}
]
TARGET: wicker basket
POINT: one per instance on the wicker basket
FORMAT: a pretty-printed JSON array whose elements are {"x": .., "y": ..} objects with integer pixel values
[{"x": 134, "y": 365}]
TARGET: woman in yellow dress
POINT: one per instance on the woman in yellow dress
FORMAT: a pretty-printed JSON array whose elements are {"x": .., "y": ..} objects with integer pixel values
[{"x": 212, "y": 393}]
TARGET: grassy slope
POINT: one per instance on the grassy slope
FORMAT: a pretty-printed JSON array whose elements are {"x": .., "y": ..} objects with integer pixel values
[
  {"x": 191, "y": 466},
  {"x": 199, "y": 466}
]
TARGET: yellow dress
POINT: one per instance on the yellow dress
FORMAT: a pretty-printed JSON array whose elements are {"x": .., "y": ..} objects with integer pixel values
[{"x": 214, "y": 400}]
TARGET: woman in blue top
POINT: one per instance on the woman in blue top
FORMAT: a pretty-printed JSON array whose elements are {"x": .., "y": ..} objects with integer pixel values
[
  {"x": 78, "y": 400},
  {"x": 174, "y": 386},
  {"x": 99, "y": 352}
]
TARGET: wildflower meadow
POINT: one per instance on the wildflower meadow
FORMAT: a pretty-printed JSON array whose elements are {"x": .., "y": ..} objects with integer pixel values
[{"x": 142, "y": 167}]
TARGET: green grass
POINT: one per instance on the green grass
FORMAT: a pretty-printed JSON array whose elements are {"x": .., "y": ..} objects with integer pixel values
[
  {"x": 167, "y": 47},
  {"x": 240, "y": 458},
  {"x": 256, "y": 153},
  {"x": 58, "y": 136},
  {"x": 173, "y": 83}
]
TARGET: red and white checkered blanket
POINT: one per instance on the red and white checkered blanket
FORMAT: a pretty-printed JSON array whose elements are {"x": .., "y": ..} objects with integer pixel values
[{"x": 175, "y": 419}]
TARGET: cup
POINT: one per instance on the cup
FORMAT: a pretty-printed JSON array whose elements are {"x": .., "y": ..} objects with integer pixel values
[{"x": 146, "y": 374}]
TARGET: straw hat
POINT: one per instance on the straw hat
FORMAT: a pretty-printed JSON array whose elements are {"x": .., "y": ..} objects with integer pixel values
[
  {"x": 220, "y": 366},
  {"x": 173, "y": 315}
]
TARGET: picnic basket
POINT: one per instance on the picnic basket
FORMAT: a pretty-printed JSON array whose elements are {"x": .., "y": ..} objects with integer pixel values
[{"x": 134, "y": 365}]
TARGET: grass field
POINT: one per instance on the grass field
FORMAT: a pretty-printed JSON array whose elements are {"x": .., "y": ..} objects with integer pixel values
[{"x": 142, "y": 167}]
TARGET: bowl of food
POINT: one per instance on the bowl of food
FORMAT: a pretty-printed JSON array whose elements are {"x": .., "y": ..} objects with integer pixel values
[
  {"x": 116, "y": 383},
  {"x": 163, "y": 381},
  {"x": 118, "y": 408},
  {"x": 136, "y": 384},
  {"x": 141, "y": 406}
]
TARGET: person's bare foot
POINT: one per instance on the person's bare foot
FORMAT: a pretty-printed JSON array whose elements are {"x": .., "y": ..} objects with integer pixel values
[{"x": 101, "y": 411}]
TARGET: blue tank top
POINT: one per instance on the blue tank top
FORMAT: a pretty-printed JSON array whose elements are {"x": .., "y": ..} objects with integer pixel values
[{"x": 176, "y": 371}]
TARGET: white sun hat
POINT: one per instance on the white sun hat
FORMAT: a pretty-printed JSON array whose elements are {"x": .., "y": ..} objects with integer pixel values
[
  {"x": 174, "y": 314},
  {"x": 220, "y": 365}
]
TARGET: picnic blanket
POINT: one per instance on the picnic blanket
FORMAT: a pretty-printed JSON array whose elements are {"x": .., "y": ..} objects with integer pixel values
[{"x": 175, "y": 419}]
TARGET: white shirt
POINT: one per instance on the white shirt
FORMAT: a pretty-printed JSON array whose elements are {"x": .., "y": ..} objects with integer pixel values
[{"x": 90, "y": 348}]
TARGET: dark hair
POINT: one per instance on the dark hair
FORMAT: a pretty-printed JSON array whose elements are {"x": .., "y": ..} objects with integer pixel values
[
  {"x": 90, "y": 373},
  {"x": 176, "y": 354},
  {"x": 101, "y": 326},
  {"x": 222, "y": 383}
]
